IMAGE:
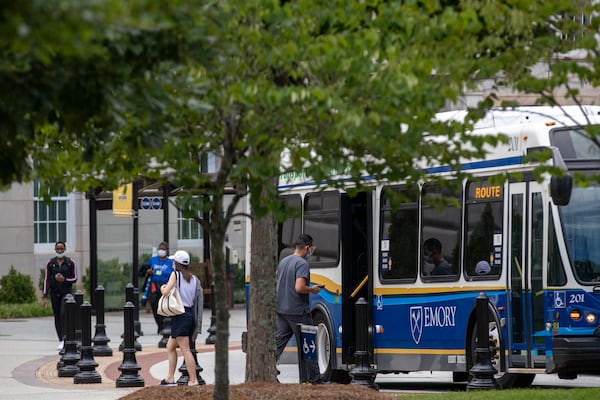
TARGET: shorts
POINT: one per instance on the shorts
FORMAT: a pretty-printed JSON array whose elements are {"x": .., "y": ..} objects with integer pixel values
[{"x": 183, "y": 325}]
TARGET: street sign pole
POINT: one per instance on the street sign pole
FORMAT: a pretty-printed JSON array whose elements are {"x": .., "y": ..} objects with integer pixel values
[{"x": 306, "y": 339}]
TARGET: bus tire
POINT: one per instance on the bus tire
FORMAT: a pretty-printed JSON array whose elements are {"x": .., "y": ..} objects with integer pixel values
[
  {"x": 503, "y": 379},
  {"x": 325, "y": 346},
  {"x": 524, "y": 380}
]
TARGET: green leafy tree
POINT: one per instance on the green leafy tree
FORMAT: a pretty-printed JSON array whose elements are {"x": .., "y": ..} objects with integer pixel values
[
  {"x": 105, "y": 93},
  {"x": 16, "y": 288}
]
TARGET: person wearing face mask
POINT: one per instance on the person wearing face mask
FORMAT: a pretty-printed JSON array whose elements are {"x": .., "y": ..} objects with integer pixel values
[
  {"x": 432, "y": 254},
  {"x": 158, "y": 269},
  {"x": 60, "y": 276},
  {"x": 293, "y": 278}
]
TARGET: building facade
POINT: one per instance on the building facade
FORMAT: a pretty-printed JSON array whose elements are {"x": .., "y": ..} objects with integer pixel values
[{"x": 30, "y": 227}]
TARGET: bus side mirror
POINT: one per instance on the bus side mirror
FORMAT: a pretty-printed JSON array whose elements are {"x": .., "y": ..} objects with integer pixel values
[{"x": 560, "y": 189}]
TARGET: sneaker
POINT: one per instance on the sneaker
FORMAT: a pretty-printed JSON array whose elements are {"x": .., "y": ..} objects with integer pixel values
[{"x": 61, "y": 345}]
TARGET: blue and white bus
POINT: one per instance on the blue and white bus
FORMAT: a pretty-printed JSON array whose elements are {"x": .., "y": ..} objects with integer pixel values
[{"x": 533, "y": 246}]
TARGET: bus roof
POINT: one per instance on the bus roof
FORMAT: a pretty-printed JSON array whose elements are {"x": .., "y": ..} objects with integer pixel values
[
  {"x": 513, "y": 122},
  {"x": 497, "y": 117}
]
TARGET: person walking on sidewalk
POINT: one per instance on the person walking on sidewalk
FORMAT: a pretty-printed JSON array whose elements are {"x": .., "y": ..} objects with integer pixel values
[
  {"x": 187, "y": 325},
  {"x": 158, "y": 270},
  {"x": 61, "y": 274},
  {"x": 293, "y": 278}
]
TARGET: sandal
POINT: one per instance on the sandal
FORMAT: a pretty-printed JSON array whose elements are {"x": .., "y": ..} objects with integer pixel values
[{"x": 165, "y": 383}]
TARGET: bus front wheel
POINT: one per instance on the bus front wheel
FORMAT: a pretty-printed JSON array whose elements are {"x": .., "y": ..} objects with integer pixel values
[
  {"x": 503, "y": 379},
  {"x": 325, "y": 345}
]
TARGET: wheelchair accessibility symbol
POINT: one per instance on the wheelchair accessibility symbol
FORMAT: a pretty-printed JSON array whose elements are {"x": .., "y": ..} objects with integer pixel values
[{"x": 560, "y": 299}]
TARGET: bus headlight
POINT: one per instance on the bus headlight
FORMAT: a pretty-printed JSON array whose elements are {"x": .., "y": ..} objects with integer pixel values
[
  {"x": 575, "y": 315},
  {"x": 590, "y": 318}
]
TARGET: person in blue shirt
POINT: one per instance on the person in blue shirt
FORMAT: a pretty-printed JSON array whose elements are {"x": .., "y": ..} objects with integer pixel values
[{"x": 157, "y": 269}]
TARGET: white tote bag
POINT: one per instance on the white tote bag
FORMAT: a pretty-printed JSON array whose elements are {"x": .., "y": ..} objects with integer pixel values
[{"x": 170, "y": 304}]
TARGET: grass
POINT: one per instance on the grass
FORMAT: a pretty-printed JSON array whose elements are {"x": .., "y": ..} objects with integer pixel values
[
  {"x": 514, "y": 394},
  {"x": 11, "y": 311}
]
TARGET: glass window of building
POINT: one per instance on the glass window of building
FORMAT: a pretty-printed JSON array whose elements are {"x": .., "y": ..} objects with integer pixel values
[{"x": 50, "y": 218}]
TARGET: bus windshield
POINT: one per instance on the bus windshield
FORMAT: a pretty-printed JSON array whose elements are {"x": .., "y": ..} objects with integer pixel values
[{"x": 581, "y": 222}]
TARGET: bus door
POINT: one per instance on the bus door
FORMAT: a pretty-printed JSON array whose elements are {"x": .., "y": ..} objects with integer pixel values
[
  {"x": 527, "y": 219},
  {"x": 357, "y": 256}
]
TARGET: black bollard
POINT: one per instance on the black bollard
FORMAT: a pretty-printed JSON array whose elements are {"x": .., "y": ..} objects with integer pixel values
[
  {"x": 87, "y": 365},
  {"x": 483, "y": 371},
  {"x": 212, "y": 329},
  {"x": 130, "y": 298},
  {"x": 136, "y": 316},
  {"x": 165, "y": 332},
  {"x": 67, "y": 366},
  {"x": 129, "y": 367},
  {"x": 78, "y": 302},
  {"x": 101, "y": 347},
  {"x": 362, "y": 373},
  {"x": 185, "y": 375}
]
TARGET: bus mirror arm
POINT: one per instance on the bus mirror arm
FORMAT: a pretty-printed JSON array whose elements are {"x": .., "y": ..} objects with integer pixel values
[{"x": 560, "y": 186}]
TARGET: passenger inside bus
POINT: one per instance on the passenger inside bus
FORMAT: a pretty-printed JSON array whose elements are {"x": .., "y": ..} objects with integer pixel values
[
  {"x": 432, "y": 253},
  {"x": 482, "y": 268}
]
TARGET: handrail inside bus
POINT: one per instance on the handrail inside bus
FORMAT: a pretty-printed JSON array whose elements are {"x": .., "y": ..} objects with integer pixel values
[
  {"x": 518, "y": 266},
  {"x": 360, "y": 286}
]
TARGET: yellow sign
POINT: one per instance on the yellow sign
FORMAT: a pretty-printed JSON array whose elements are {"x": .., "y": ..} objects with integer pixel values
[
  {"x": 488, "y": 192},
  {"x": 122, "y": 201}
]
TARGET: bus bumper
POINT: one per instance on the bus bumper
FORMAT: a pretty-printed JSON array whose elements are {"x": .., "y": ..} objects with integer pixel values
[{"x": 576, "y": 355}]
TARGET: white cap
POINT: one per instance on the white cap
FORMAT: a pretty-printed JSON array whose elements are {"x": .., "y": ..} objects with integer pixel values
[
  {"x": 482, "y": 268},
  {"x": 181, "y": 257}
]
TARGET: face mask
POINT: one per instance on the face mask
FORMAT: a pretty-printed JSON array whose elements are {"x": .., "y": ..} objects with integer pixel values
[
  {"x": 162, "y": 253},
  {"x": 428, "y": 259},
  {"x": 310, "y": 251},
  {"x": 60, "y": 255}
]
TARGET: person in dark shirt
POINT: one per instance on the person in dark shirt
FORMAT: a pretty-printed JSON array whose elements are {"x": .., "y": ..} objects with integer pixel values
[
  {"x": 432, "y": 252},
  {"x": 293, "y": 279},
  {"x": 61, "y": 274}
]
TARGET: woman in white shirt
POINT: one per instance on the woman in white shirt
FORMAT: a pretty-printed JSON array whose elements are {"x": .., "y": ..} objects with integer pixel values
[{"x": 184, "y": 327}]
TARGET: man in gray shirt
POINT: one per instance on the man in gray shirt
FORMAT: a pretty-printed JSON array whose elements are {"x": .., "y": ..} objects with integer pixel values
[{"x": 293, "y": 278}]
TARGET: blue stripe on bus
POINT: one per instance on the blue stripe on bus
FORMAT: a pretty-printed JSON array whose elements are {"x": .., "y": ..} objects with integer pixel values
[{"x": 500, "y": 162}]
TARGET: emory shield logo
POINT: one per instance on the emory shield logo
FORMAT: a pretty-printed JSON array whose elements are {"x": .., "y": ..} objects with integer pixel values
[{"x": 416, "y": 323}]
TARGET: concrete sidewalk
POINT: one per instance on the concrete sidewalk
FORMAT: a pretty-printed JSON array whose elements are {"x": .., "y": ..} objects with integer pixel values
[{"x": 28, "y": 358}]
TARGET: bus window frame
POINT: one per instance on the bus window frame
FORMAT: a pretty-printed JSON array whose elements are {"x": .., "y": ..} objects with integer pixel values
[
  {"x": 445, "y": 192},
  {"x": 466, "y": 240},
  {"x": 313, "y": 259},
  {"x": 283, "y": 250},
  {"x": 406, "y": 189}
]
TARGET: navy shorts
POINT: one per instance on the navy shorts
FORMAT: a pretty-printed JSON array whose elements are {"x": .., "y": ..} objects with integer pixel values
[{"x": 183, "y": 325}]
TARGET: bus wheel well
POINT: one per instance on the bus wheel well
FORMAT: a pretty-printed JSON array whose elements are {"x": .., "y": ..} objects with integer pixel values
[
  {"x": 497, "y": 345},
  {"x": 326, "y": 354}
]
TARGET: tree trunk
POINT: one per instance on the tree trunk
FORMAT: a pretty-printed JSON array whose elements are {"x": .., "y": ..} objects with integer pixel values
[
  {"x": 217, "y": 236},
  {"x": 260, "y": 359}
]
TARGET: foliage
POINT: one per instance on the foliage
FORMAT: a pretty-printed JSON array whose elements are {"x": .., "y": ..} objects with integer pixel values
[
  {"x": 102, "y": 93},
  {"x": 27, "y": 310},
  {"x": 239, "y": 284},
  {"x": 41, "y": 279},
  {"x": 16, "y": 288}
]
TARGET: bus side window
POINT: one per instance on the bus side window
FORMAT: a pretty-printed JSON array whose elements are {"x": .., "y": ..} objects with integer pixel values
[
  {"x": 483, "y": 229},
  {"x": 399, "y": 233},
  {"x": 292, "y": 226},
  {"x": 441, "y": 227}
]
